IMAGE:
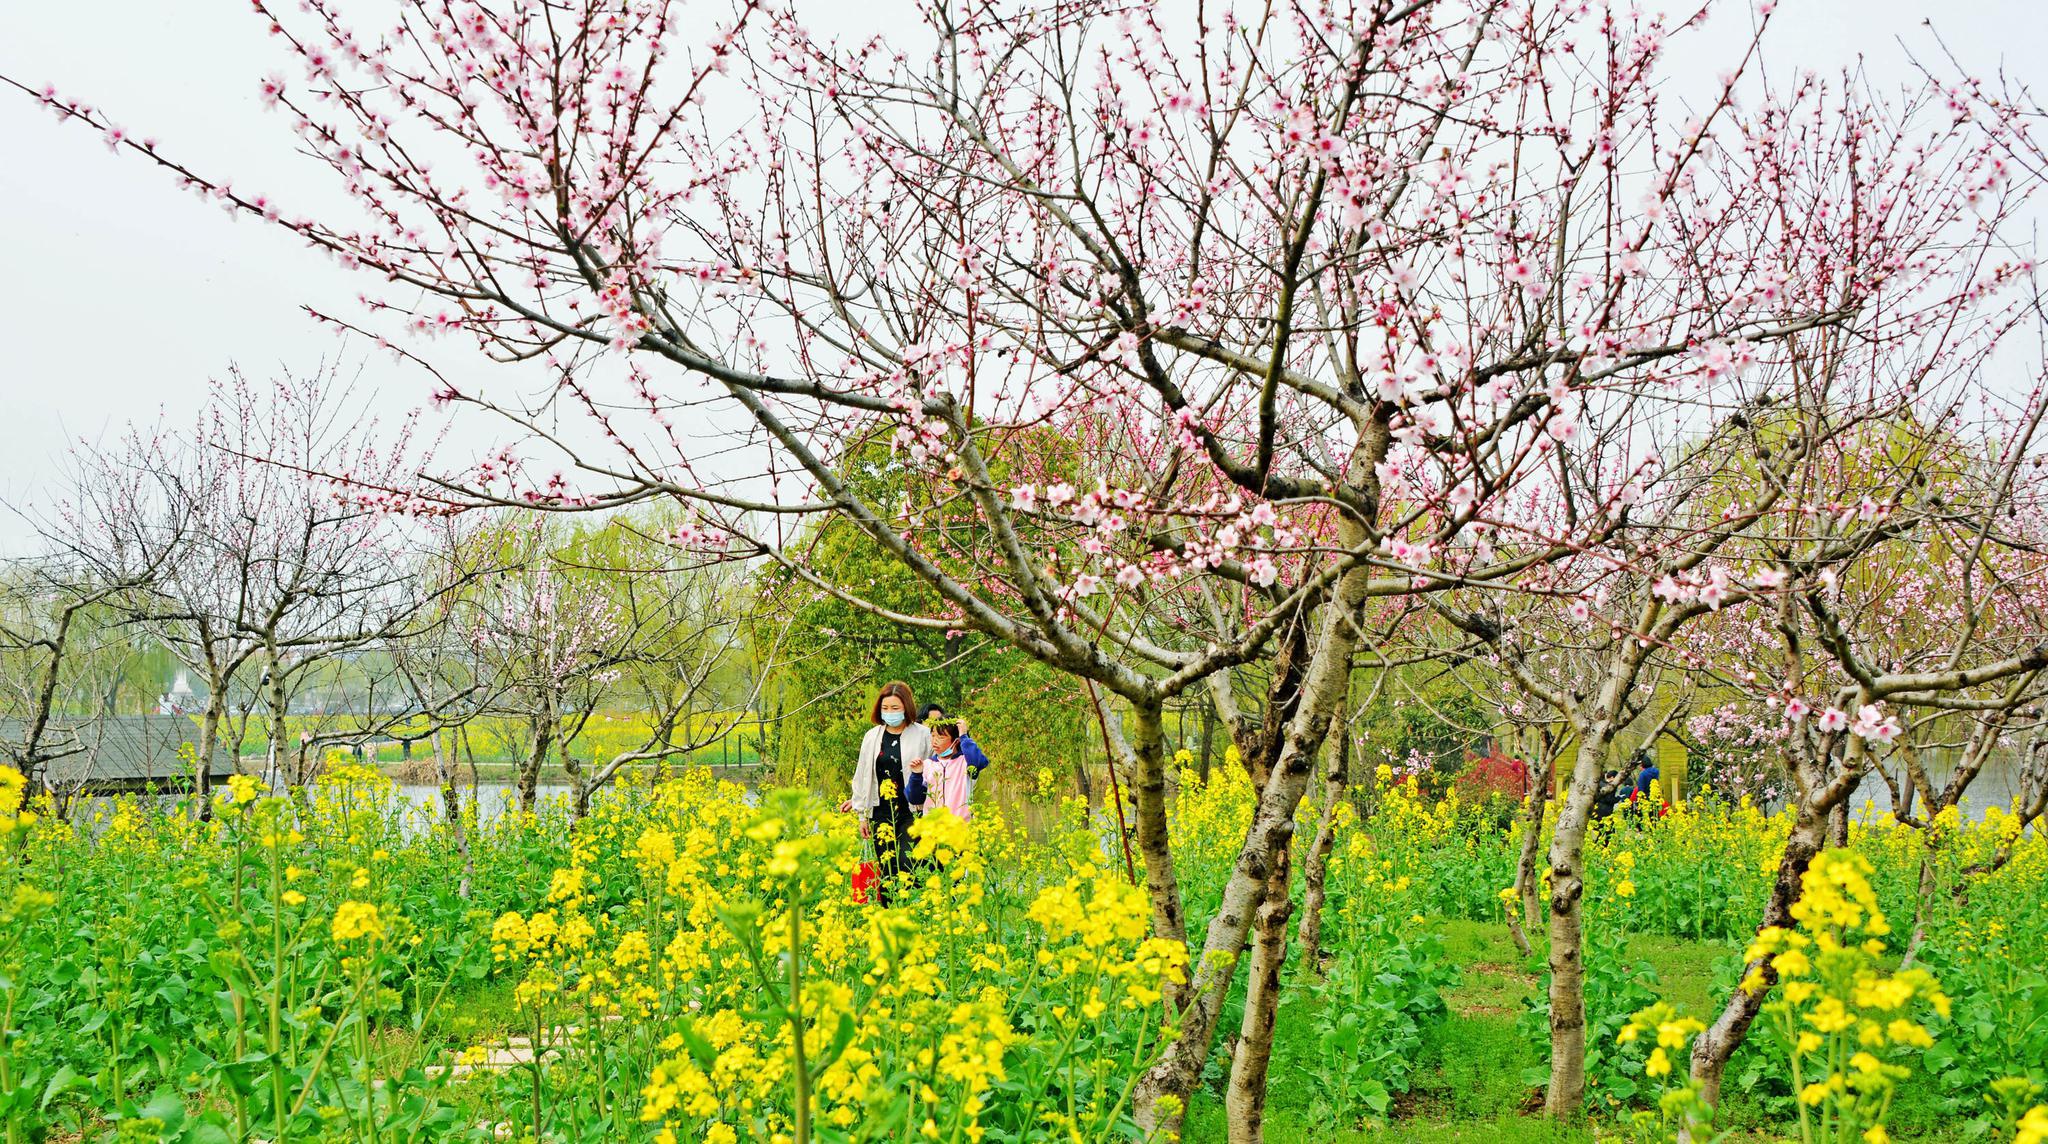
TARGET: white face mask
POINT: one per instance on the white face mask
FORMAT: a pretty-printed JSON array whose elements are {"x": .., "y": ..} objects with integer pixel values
[{"x": 893, "y": 718}]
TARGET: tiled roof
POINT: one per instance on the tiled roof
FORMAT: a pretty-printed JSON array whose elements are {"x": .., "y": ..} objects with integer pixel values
[{"x": 123, "y": 750}]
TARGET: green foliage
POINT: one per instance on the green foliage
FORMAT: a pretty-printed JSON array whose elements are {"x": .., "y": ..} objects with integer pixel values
[
  {"x": 834, "y": 654},
  {"x": 1617, "y": 985},
  {"x": 1381, "y": 1000},
  {"x": 1423, "y": 725}
]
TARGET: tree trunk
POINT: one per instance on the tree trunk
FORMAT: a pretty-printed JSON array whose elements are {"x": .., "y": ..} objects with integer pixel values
[
  {"x": 451, "y": 810},
  {"x": 1923, "y": 900},
  {"x": 1316, "y": 870},
  {"x": 1566, "y": 1094},
  {"x": 1328, "y": 682},
  {"x": 1148, "y": 802},
  {"x": 1208, "y": 735},
  {"x": 1180, "y": 1066},
  {"x": 1271, "y": 833},
  {"x": 1263, "y": 755},
  {"x": 529, "y": 770},
  {"x": 580, "y": 790},
  {"x": 1245, "y": 1100},
  {"x": 1838, "y": 825},
  {"x": 1711, "y": 1051},
  {"x": 1527, "y": 886},
  {"x": 202, "y": 777},
  {"x": 276, "y": 704}
]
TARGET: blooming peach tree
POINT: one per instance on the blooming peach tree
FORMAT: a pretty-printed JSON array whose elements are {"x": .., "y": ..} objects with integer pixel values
[{"x": 1182, "y": 332}]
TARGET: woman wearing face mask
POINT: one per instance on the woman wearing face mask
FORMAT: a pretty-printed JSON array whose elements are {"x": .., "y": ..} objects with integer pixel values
[{"x": 880, "y": 793}]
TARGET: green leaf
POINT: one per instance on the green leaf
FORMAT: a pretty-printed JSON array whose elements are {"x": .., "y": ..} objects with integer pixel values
[
  {"x": 700, "y": 1048},
  {"x": 59, "y": 1081},
  {"x": 841, "y": 1038},
  {"x": 166, "y": 1106}
]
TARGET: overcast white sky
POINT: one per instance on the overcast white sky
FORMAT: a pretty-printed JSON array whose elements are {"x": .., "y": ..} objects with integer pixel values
[{"x": 121, "y": 296}]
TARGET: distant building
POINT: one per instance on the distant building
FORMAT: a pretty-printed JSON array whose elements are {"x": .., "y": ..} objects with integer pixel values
[
  {"x": 180, "y": 699},
  {"x": 119, "y": 753}
]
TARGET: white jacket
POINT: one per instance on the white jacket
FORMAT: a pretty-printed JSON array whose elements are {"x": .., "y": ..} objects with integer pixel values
[{"x": 917, "y": 744}]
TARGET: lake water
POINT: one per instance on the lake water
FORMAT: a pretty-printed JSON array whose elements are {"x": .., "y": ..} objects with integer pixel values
[
  {"x": 493, "y": 799},
  {"x": 1998, "y": 784}
]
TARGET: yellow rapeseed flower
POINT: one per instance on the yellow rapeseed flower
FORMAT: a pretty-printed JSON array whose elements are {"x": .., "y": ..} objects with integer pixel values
[
  {"x": 357, "y": 921},
  {"x": 2033, "y": 1127}
]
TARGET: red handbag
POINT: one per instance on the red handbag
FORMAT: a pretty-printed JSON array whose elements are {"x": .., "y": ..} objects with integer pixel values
[{"x": 864, "y": 878}]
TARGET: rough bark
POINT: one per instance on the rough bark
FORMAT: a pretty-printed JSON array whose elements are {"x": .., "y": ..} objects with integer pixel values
[
  {"x": 1252, "y": 1052},
  {"x": 1823, "y": 789},
  {"x": 1528, "y": 888},
  {"x": 1148, "y": 799},
  {"x": 276, "y": 701},
  {"x": 529, "y": 770},
  {"x": 202, "y": 777},
  {"x": 1713, "y": 1048},
  {"x": 451, "y": 811},
  {"x": 1272, "y": 830},
  {"x": 1566, "y": 1094},
  {"x": 1316, "y": 869},
  {"x": 1252, "y": 1048},
  {"x": 579, "y": 790},
  {"x": 1245, "y": 1099}
]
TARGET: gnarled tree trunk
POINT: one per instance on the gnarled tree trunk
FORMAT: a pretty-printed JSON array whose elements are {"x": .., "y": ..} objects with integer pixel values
[
  {"x": 1713, "y": 1048},
  {"x": 1820, "y": 796},
  {"x": 536, "y": 757},
  {"x": 1309, "y": 708},
  {"x": 1566, "y": 1094},
  {"x": 1528, "y": 887},
  {"x": 1316, "y": 870},
  {"x": 1272, "y": 831}
]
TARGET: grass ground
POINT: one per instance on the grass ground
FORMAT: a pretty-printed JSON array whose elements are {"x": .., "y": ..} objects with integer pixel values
[{"x": 1472, "y": 1085}]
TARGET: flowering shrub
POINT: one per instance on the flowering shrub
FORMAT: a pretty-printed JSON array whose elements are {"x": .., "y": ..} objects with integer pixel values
[{"x": 1494, "y": 776}]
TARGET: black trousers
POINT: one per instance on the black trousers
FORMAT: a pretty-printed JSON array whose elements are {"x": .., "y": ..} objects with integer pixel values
[{"x": 893, "y": 844}]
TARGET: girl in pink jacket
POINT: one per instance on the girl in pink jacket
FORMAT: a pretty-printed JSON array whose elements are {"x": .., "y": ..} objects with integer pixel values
[{"x": 947, "y": 777}]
